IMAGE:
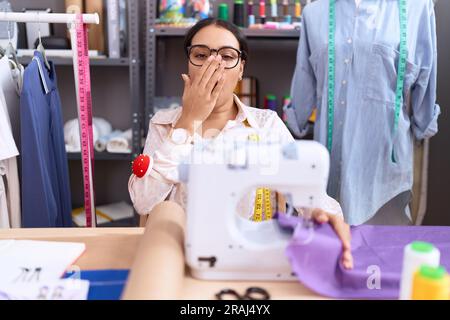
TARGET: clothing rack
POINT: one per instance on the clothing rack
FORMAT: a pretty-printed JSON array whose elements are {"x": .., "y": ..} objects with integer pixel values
[
  {"x": 38, "y": 17},
  {"x": 70, "y": 20}
]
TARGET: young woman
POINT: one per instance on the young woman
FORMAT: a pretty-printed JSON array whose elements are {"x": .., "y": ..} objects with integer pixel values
[{"x": 217, "y": 53}]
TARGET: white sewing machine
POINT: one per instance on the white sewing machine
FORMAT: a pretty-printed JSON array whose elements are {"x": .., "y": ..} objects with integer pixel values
[{"x": 222, "y": 245}]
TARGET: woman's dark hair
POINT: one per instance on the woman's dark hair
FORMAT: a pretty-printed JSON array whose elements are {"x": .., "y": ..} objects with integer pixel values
[{"x": 243, "y": 46}]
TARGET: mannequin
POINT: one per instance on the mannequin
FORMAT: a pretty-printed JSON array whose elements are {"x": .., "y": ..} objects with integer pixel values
[{"x": 371, "y": 172}]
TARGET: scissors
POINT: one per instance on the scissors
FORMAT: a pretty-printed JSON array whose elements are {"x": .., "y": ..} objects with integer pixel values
[{"x": 252, "y": 293}]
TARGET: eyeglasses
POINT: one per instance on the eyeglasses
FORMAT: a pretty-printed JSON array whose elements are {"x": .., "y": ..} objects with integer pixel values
[{"x": 198, "y": 54}]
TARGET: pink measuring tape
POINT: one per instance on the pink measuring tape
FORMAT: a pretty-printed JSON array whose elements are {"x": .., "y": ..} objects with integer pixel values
[{"x": 85, "y": 119}]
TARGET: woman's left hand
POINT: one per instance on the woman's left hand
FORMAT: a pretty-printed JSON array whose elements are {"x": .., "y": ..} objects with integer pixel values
[{"x": 342, "y": 229}]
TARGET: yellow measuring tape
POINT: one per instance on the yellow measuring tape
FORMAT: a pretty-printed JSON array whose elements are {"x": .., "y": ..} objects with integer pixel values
[
  {"x": 267, "y": 204},
  {"x": 262, "y": 195},
  {"x": 257, "y": 212}
]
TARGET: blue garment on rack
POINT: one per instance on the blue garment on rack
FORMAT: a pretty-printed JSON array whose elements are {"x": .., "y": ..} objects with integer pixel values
[{"x": 46, "y": 198}]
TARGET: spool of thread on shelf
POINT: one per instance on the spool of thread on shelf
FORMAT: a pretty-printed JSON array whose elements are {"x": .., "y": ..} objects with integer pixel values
[
  {"x": 250, "y": 8},
  {"x": 298, "y": 9},
  {"x": 286, "y": 101},
  {"x": 431, "y": 284},
  {"x": 285, "y": 7},
  {"x": 238, "y": 13},
  {"x": 262, "y": 11},
  {"x": 251, "y": 20},
  {"x": 415, "y": 255},
  {"x": 274, "y": 8},
  {"x": 223, "y": 11},
  {"x": 271, "y": 102}
]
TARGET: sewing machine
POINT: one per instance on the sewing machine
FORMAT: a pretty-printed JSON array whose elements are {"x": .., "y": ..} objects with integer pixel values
[{"x": 222, "y": 245}]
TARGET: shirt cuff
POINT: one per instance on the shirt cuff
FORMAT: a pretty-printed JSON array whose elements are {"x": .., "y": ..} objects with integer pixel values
[
  {"x": 432, "y": 127},
  {"x": 292, "y": 123}
]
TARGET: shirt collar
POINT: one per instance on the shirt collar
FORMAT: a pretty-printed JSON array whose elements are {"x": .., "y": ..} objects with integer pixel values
[
  {"x": 172, "y": 116},
  {"x": 244, "y": 115}
]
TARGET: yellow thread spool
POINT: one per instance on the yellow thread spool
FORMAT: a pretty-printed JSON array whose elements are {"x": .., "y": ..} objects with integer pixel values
[
  {"x": 431, "y": 283},
  {"x": 298, "y": 9}
]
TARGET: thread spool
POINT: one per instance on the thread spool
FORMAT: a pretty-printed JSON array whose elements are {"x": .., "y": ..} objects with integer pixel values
[
  {"x": 251, "y": 20},
  {"x": 223, "y": 11},
  {"x": 288, "y": 19},
  {"x": 262, "y": 11},
  {"x": 431, "y": 284},
  {"x": 250, "y": 8},
  {"x": 285, "y": 7},
  {"x": 415, "y": 255},
  {"x": 271, "y": 102},
  {"x": 238, "y": 13},
  {"x": 298, "y": 9},
  {"x": 273, "y": 8}
]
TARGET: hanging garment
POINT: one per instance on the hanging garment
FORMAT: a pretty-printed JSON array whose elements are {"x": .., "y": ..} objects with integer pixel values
[
  {"x": 46, "y": 198},
  {"x": 8, "y": 146},
  {"x": 4, "y": 217},
  {"x": 11, "y": 79},
  {"x": 10, "y": 214},
  {"x": 315, "y": 256},
  {"x": 10, "y": 83}
]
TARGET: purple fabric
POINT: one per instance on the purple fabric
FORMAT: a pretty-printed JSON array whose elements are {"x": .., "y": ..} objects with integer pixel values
[{"x": 315, "y": 257}]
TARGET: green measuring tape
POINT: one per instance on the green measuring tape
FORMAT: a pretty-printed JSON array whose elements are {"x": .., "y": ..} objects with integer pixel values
[{"x": 332, "y": 71}]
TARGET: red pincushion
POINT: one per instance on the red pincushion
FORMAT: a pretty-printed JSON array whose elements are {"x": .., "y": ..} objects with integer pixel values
[{"x": 141, "y": 165}]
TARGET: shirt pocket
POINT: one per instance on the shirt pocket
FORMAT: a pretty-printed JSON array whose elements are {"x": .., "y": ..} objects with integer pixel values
[{"x": 381, "y": 72}]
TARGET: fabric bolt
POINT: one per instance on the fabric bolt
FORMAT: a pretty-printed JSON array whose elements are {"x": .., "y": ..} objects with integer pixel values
[
  {"x": 100, "y": 128},
  {"x": 120, "y": 143}
]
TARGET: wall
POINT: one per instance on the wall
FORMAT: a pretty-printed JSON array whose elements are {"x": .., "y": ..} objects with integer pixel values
[{"x": 438, "y": 212}]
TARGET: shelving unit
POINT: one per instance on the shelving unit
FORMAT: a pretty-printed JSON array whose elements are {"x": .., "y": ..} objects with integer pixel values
[
  {"x": 249, "y": 33},
  {"x": 121, "y": 62},
  {"x": 102, "y": 156}
]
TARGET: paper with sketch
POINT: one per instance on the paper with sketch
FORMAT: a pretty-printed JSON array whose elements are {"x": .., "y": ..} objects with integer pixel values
[
  {"x": 26, "y": 261},
  {"x": 65, "y": 289}
]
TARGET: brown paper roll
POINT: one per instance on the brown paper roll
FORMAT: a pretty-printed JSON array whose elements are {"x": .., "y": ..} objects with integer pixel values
[
  {"x": 96, "y": 34},
  {"x": 158, "y": 269}
]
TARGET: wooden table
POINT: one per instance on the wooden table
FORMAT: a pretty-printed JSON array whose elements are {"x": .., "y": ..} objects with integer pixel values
[{"x": 114, "y": 248}]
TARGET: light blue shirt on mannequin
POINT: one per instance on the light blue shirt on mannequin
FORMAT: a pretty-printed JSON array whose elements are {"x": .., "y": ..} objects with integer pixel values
[{"x": 363, "y": 176}]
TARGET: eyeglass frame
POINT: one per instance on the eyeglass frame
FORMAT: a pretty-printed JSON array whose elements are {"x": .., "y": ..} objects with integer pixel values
[{"x": 188, "y": 51}]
